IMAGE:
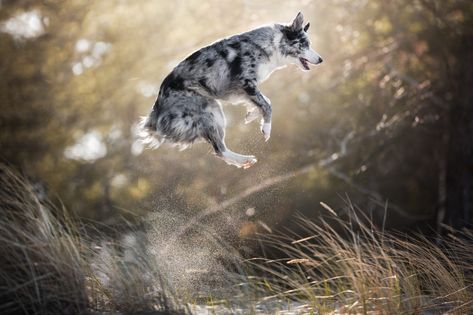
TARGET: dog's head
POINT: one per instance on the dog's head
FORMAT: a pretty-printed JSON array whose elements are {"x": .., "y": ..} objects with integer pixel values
[{"x": 295, "y": 44}]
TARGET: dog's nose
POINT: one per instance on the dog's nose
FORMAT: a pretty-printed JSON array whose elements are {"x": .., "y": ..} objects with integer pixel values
[{"x": 320, "y": 60}]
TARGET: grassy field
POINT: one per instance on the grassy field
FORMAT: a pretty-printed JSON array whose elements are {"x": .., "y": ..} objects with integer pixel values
[{"x": 343, "y": 265}]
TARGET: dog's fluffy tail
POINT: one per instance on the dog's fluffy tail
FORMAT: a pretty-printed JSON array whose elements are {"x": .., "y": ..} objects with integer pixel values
[{"x": 148, "y": 133}]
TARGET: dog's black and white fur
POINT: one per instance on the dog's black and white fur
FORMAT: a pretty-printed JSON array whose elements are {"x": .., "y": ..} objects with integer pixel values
[{"x": 188, "y": 109}]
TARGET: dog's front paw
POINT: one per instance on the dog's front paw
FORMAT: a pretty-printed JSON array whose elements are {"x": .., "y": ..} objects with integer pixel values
[{"x": 266, "y": 130}]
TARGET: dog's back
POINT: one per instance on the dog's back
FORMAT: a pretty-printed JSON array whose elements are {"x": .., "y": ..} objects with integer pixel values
[{"x": 215, "y": 71}]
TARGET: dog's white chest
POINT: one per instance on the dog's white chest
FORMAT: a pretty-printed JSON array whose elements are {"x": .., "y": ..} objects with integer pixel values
[{"x": 265, "y": 69}]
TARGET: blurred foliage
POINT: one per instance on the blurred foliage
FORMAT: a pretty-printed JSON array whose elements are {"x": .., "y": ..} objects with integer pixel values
[{"x": 376, "y": 109}]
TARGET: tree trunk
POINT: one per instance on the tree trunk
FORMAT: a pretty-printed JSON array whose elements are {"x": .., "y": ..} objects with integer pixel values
[{"x": 460, "y": 150}]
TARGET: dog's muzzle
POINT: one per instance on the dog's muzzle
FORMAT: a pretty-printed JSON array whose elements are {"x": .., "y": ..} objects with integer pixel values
[{"x": 310, "y": 57}]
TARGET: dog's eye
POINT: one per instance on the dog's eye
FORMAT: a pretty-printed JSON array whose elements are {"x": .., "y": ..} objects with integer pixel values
[{"x": 304, "y": 43}]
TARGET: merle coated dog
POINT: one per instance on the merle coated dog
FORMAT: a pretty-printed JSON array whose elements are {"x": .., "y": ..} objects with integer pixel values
[{"x": 188, "y": 109}]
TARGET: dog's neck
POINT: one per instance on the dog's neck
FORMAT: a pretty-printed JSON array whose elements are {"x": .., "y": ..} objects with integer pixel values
[{"x": 275, "y": 62}]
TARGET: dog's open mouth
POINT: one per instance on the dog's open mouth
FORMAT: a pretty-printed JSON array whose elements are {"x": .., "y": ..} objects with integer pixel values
[{"x": 304, "y": 63}]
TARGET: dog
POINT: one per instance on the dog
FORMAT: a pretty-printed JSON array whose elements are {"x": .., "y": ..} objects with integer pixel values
[{"x": 187, "y": 108}]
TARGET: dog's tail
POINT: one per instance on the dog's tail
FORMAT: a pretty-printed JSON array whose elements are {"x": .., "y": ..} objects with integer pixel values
[{"x": 148, "y": 132}]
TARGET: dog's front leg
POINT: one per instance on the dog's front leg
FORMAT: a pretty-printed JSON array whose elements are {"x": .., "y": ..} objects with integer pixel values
[{"x": 264, "y": 105}]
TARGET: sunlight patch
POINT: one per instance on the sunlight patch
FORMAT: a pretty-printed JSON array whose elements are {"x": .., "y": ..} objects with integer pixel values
[
  {"x": 92, "y": 54},
  {"x": 89, "y": 147},
  {"x": 114, "y": 134},
  {"x": 119, "y": 181},
  {"x": 82, "y": 45},
  {"x": 250, "y": 212},
  {"x": 77, "y": 68},
  {"x": 100, "y": 49},
  {"x": 137, "y": 147},
  {"x": 25, "y": 25},
  {"x": 148, "y": 89}
]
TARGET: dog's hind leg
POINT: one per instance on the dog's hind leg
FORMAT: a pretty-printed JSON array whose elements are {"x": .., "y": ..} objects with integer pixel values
[
  {"x": 214, "y": 133},
  {"x": 214, "y": 138}
]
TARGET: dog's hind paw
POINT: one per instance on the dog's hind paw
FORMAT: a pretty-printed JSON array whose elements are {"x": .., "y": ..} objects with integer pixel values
[
  {"x": 238, "y": 160},
  {"x": 250, "y": 162}
]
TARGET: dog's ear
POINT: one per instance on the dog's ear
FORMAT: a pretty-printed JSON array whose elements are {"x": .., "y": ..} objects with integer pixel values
[
  {"x": 297, "y": 23},
  {"x": 306, "y": 27}
]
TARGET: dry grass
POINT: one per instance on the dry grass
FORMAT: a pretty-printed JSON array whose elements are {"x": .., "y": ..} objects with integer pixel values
[
  {"x": 48, "y": 267},
  {"x": 349, "y": 266},
  {"x": 343, "y": 266}
]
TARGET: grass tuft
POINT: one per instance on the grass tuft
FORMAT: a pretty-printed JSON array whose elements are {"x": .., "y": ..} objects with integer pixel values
[
  {"x": 350, "y": 266},
  {"x": 48, "y": 267}
]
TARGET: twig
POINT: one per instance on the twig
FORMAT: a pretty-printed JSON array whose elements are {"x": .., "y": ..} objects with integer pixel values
[{"x": 324, "y": 164}]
